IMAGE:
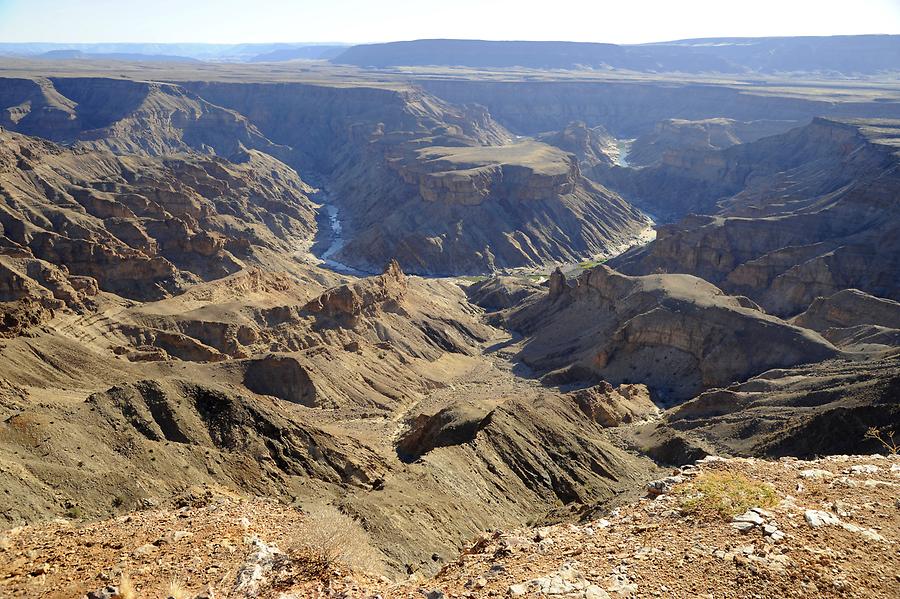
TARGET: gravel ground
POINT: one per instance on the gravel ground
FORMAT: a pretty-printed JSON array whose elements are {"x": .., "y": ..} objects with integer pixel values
[{"x": 831, "y": 528}]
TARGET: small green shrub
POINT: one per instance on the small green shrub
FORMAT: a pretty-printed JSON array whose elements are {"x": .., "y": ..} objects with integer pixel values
[{"x": 724, "y": 494}]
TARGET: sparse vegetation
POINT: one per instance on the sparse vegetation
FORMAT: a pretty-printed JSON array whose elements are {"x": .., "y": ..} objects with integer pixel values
[
  {"x": 126, "y": 589},
  {"x": 176, "y": 591},
  {"x": 724, "y": 495},
  {"x": 330, "y": 537},
  {"x": 590, "y": 263},
  {"x": 885, "y": 439}
]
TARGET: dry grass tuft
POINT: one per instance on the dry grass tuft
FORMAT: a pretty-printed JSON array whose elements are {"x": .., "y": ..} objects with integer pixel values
[
  {"x": 176, "y": 591},
  {"x": 126, "y": 588},
  {"x": 724, "y": 495},
  {"x": 328, "y": 538}
]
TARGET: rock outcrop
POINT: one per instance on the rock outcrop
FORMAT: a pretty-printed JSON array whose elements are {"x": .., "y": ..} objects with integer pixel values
[
  {"x": 480, "y": 209},
  {"x": 794, "y": 217},
  {"x": 677, "y": 334},
  {"x": 592, "y": 146},
  {"x": 853, "y": 318},
  {"x": 350, "y": 301},
  {"x": 611, "y": 406},
  {"x": 803, "y": 411},
  {"x": 142, "y": 227},
  {"x": 679, "y": 135},
  {"x": 440, "y": 188}
]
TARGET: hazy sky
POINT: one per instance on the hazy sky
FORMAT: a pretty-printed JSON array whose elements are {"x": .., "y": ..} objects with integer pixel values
[{"x": 622, "y": 21}]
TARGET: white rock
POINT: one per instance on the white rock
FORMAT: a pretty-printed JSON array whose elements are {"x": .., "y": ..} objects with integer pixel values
[
  {"x": 252, "y": 573},
  {"x": 816, "y": 473},
  {"x": 595, "y": 592},
  {"x": 749, "y": 516},
  {"x": 817, "y": 518},
  {"x": 864, "y": 469},
  {"x": 871, "y": 482},
  {"x": 664, "y": 485},
  {"x": 743, "y": 526},
  {"x": 868, "y": 533},
  {"x": 517, "y": 590},
  {"x": 144, "y": 550}
]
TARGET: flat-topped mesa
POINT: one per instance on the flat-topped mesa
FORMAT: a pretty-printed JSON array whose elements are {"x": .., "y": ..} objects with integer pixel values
[
  {"x": 472, "y": 175},
  {"x": 354, "y": 299}
]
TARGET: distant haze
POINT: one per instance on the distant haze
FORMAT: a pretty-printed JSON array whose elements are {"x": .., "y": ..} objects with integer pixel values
[{"x": 263, "y": 21}]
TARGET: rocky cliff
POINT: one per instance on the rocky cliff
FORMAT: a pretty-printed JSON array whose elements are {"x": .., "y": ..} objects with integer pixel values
[
  {"x": 144, "y": 227},
  {"x": 127, "y": 117},
  {"x": 440, "y": 188},
  {"x": 794, "y": 217},
  {"x": 630, "y": 109},
  {"x": 477, "y": 209},
  {"x": 678, "y": 135},
  {"x": 592, "y": 146},
  {"x": 677, "y": 334}
]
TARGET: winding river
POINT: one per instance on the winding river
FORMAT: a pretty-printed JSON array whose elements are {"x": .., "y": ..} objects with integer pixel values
[{"x": 336, "y": 240}]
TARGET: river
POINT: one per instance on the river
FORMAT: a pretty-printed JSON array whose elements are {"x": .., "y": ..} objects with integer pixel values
[{"x": 336, "y": 239}]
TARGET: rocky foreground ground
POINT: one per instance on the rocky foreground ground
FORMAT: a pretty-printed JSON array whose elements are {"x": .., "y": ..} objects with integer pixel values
[{"x": 731, "y": 527}]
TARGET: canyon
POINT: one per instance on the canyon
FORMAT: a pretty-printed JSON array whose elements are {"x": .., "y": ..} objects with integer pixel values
[{"x": 438, "y": 299}]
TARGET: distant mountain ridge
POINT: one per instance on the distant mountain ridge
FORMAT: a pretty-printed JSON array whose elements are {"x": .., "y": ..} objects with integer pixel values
[
  {"x": 846, "y": 55},
  {"x": 186, "y": 51},
  {"x": 859, "y": 54}
]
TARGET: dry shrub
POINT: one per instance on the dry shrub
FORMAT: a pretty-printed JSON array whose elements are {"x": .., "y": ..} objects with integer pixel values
[
  {"x": 885, "y": 439},
  {"x": 126, "y": 588},
  {"x": 327, "y": 538},
  {"x": 176, "y": 591},
  {"x": 724, "y": 494}
]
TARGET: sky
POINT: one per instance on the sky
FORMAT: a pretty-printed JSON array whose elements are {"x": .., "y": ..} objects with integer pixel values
[{"x": 360, "y": 21}]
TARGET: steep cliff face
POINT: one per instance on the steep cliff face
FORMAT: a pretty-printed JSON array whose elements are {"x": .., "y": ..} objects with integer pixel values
[
  {"x": 474, "y": 210},
  {"x": 678, "y": 135},
  {"x": 631, "y": 109},
  {"x": 326, "y": 125},
  {"x": 472, "y": 175},
  {"x": 440, "y": 188},
  {"x": 126, "y": 117},
  {"x": 34, "y": 107},
  {"x": 795, "y": 216},
  {"x": 141, "y": 226},
  {"x": 592, "y": 146},
  {"x": 677, "y": 334},
  {"x": 802, "y": 411}
]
